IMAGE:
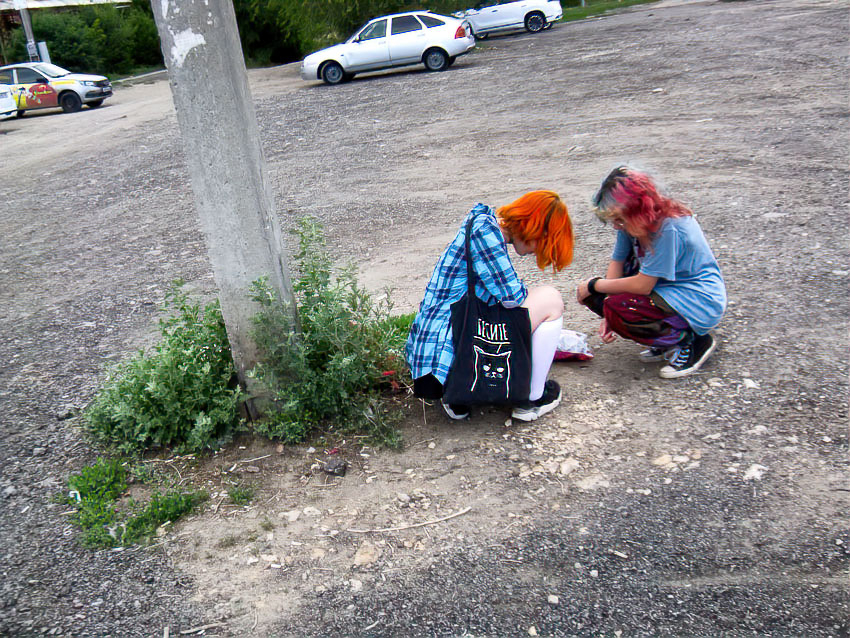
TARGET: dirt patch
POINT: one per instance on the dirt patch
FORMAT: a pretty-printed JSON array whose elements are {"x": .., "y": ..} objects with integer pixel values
[{"x": 714, "y": 505}]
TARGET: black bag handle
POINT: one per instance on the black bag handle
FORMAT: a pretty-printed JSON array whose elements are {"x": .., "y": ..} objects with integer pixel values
[{"x": 470, "y": 271}]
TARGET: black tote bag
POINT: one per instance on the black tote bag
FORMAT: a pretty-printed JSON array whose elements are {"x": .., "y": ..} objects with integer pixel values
[{"x": 492, "y": 344}]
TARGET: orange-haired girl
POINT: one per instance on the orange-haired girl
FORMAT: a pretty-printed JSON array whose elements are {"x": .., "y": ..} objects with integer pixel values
[
  {"x": 663, "y": 287},
  {"x": 537, "y": 223}
]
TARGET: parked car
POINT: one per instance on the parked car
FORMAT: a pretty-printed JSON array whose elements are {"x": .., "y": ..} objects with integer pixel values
[
  {"x": 401, "y": 39},
  {"x": 493, "y": 16},
  {"x": 8, "y": 106},
  {"x": 38, "y": 85}
]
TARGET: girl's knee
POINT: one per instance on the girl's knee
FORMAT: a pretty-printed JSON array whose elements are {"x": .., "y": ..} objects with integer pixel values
[{"x": 544, "y": 303}]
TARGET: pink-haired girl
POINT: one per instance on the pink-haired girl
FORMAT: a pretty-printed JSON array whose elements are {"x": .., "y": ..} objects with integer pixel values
[{"x": 663, "y": 287}]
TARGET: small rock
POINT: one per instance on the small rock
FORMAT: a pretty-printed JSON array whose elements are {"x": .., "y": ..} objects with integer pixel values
[
  {"x": 311, "y": 450},
  {"x": 290, "y": 516},
  {"x": 269, "y": 558},
  {"x": 532, "y": 631},
  {"x": 251, "y": 469},
  {"x": 252, "y": 560},
  {"x": 366, "y": 554},
  {"x": 432, "y": 445},
  {"x": 10, "y": 491},
  {"x": 664, "y": 459},
  {"x": 679, "y": 458},
  {"x": 568, "y": 466},
  {"x": 312, "y": 511},
  {"x": 335, "y": 466},
  {"x": 404, "y": 498},
  {"x": 594, "y": 573},
  {"x": 593, "y": 482},
  {"x": 356, "y": 585},
  {"x": 750, "y": 384},
  {"x": 553, "y": 599},
  {"x": 755, "y": 471}
]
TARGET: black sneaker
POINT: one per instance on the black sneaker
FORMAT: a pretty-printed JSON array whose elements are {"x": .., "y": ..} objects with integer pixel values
[
  {"x": 456, "y": 412},
  {"x": 653, "y": 354},
  {"x": 688, "y": 359},
  {"x": 530, "y": 410}
]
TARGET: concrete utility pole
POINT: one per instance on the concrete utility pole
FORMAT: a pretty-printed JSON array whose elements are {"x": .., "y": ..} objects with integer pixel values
[{"x": 209, "y": 83}]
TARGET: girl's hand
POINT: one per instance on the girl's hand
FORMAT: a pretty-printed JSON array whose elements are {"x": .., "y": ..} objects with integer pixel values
[
  {"x": 582, "y": 292},
  {"x": 606, "y": 334}
]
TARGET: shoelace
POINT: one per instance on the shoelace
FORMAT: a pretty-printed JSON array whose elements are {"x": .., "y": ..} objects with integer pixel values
[{"x": 680, "y": 356}]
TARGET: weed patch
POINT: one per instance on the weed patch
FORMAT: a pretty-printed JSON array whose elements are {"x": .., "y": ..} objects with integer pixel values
[
  {"x": 181, "y": 394},
  {"x": 331, "y": 369},
  {"x": 95, "y": 492},
  {"x": 241, "y": 494}
]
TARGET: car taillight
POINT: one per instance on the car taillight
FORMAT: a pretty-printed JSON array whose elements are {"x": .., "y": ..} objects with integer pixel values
[{"x": 461, "y": 32}]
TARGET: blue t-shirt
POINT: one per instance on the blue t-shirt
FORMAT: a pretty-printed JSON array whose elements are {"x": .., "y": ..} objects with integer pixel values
[{"x": 689, "y": 278}]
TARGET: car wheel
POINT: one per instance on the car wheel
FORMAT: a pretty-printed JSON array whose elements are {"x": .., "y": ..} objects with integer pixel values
[
  {"x": 95, "y": 104},
  {"x": 70, "y": 102},
  {"x": 20, "y": 113},
  {"x": 435, "y": 60},
  {"x": 332, "y": 73},
  {"x": 535, "y": 22}
]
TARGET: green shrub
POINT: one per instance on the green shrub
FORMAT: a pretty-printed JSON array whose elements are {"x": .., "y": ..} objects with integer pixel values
[
  {"x": 181, "y": 394},
  {"x": 330, "y": 369},
  {"x": 97, "y": 489},
  {"x": 241, "y": 494}
]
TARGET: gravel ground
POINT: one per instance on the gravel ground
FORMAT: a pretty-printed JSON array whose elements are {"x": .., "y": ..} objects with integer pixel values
[{"x": 741, "y": 107}]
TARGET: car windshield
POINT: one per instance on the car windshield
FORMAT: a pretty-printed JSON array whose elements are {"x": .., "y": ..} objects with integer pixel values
[{"x": 51, "y": 70}]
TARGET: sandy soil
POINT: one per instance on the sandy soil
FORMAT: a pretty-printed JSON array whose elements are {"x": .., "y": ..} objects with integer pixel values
[{"x": 714, "y": 505}]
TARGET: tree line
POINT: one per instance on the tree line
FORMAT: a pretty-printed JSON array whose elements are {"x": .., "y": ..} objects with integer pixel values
[{"x": 119, "y": 40}]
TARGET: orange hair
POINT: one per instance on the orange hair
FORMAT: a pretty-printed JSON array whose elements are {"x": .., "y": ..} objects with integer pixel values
[{"x": 541, "y": 216}]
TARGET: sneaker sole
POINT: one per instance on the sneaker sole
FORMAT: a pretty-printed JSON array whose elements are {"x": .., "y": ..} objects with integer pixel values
[
  {"x": 453, "y": 415},
  {"x": 531, "y": 415},
  {"x": 669, "y": 372}
]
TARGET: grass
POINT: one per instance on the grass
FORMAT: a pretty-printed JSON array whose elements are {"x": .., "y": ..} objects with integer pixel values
[
  {"x": 96, "y": 492},
  {"x": 241, "y": 494},
  {"x": 594, "y": 8}
]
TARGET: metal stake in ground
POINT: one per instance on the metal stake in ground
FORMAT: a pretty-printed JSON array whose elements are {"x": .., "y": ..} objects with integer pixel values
[{"x": 200, "y": 44}]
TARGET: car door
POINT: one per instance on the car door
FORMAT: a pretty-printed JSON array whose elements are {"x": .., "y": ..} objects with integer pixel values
[
  {"x": 486, "y": 16},
  {"x": 32, "y": 90},
  {"x": 511, "y": 13},
  {"x": 407, "y": 40},
  {"x": 370, "y": 49}
]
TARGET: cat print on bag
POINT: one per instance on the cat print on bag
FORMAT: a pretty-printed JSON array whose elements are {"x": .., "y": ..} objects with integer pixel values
[{"x": 491, "y": 345}]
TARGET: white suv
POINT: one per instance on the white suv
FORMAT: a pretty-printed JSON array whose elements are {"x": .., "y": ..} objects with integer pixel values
[
  {"x": 38, "y": 85},
  {"x": 493, "y": 16}
]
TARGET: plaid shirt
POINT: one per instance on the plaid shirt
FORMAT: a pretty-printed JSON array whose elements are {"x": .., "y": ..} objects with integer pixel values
[{"x": 429, "y": 347}]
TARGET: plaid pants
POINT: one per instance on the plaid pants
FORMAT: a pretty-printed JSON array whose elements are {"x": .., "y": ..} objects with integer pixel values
[{"x": 646, "y": 319}]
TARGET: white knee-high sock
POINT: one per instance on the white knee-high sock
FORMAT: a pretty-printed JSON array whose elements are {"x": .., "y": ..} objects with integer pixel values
[{"x": 544, "y": 342}]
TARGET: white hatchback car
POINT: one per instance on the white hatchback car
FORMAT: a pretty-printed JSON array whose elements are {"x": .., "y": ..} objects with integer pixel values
[
  {"x": 493, "y": 16},
  {"x": 401, "y": 39},
  {"x": 8, "y": 106}
]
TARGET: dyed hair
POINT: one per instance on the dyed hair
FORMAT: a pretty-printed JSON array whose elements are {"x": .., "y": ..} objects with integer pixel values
[
  {"x": 633, "y": 195},
  {"x": 541, "y": 216}
]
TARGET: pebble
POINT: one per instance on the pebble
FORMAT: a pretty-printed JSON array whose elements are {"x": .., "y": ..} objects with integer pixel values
[
  {"x": 568, "y": 466},
  {"x": 755, "y": 471},
  {"x": 366, "y": 554},
  {"x": 312, "y": 511},
  {"x": 290, "y": 516},
  {"x": 553, "y": 599},
  {"x": 532, "y": 631}
]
